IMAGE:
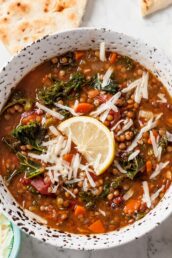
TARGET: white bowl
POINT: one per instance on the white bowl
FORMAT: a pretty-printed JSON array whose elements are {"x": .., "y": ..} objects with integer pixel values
[{"x": 35, "y": 54}]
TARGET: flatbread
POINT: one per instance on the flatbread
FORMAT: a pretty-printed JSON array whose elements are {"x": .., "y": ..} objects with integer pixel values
[
  {"x": 24, "y": 21},
  {"x": 151, "y": 6}
]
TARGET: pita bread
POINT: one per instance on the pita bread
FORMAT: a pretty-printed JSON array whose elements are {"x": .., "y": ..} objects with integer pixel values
[
  {"x": 151, "y": 6},
  {"x": 24, "y": 21}
]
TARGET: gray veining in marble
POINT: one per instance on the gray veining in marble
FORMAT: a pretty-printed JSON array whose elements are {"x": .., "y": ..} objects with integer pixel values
[{"x": 123, "y": 16}]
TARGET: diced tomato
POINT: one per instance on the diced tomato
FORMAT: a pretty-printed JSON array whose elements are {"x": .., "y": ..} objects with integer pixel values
[
  {"x": 112, "y": 58},
  {"x": 79, "y": 54},
  {"x": 40, "y": 186}
]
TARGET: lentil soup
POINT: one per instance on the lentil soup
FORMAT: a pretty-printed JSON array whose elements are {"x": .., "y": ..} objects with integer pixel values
[{"x": 44, "y": 170}]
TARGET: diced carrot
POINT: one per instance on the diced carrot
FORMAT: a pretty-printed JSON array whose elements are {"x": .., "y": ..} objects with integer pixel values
[
  {"x": 97, "y": 227},
  {"x": 149, "y": 141},
  {"x": 68, "y": 157},
  {"x": 93, "y": 93},
  {"x": 79, "y": 210},
  {"x": 148, "y": 166},
  {"x": 84, "y": 108},
  {"x": 131, "y": 206},
  {"x": 112, "y": 58},
  {"x": 79, "y": 55}
]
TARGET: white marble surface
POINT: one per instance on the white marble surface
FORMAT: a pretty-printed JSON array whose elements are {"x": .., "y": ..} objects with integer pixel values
[{"x": 123, "y": 16}]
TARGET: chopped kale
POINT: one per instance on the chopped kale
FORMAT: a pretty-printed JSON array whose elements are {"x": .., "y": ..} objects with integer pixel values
[
  {"x": 18, "y": 98},
  {"x": 112, "y": 86},
  {"x": 133, "y": 166},
  {"x": 106, "y": 190},
  {"x": 31, "y": 134},
  {"x": 163, "y": 142},
  {"x": 127, "y": 62},
  {"x": 89, "y": 199},
  {"x": 117, "y": 182},
  {"x": 60, "y": 89}
]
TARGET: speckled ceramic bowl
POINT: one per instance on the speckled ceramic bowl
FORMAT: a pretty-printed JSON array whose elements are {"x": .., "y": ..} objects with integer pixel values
[{"x": 33, "y": 55}]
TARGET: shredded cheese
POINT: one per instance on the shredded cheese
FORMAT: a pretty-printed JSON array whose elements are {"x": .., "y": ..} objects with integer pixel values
[
  {"x": 127, "y": 124},
  {"x": 156, "y": 148},
  {"x": 67, "y": 190},
  {"x": 162, "y": 98},
  {"x": 150, "y": 124},
  {"x": 119, "y": 167},
  {"x": 146, "y": 195},
  {"x": 106, "y": 107},
  {"x": 128, "y": 194},
  {"x": 158, "y": 169},
  {"x": 49, "y": 111},
  {"x": 169, "y": 136},
  {"x": 141, "y": 88},
  {"x": 116, "y": 125},
  {"x": 106, "y": 77},
  {"x": 102, "y": 51},
  {"x": 54, "y": 130},
  {"x": 156, "y": 194},
  {"x": 71, "y": 110},
  {"x": 133, "y": 155}
]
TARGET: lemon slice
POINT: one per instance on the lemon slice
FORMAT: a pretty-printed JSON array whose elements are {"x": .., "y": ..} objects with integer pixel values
[{"x": 93, "y": 140}]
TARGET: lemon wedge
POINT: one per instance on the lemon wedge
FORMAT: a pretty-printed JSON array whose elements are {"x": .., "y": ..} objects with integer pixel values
[{"x": 93, "y": 140}]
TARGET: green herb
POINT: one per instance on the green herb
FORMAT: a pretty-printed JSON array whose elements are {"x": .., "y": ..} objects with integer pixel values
[
  {"x": 112, "y": 86},
  {"x": 31, "y": 134},
  {"x": 127, "y": 62},
  {"x": 163, "y": 142},
  {"x": 31, "y": 168},
  {"x": 89, "y": 199},
  {"x": 18, "y": 98},
  {"x": 11, "y": 142},
  {"x": 133, "y": 166},
  {"x": 117, "y": 182},
  {"x": 60, "y": 90},
  {"x": 106, "y": 190}
]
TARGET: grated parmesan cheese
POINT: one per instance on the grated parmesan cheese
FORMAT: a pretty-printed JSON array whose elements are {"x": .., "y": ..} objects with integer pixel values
[
  {"x": 71, "y": 110},
  {"x": 156, "y": 194},
  {"x": 104, "y": 109},
  {"x": 141, "y": 88},
  {"x": 133, "y": 155},
  {"x": 156, "y": 148},
  {"x": 146, "y": 195},
  {"x": 54, "y": 130},
  {"x": 162, "y": 98},
  {"x": 128, "y": 194},
  {"x": 150, "y": 124},
  {"x": 127, "y": 124},
  {"x": 158, "y": 169},
  {"x": 119, "y": 167},
  {"x": 49, "y": 111},
  {"x": 102, "y": 51},
  {"x": 169, "y": 136},
  {"x": 106, "y": 77},
  {"x": 67, "y": 190}
]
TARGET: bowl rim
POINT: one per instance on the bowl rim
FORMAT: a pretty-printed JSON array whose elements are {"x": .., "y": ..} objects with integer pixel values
[{"x": 166, "y": 214}]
